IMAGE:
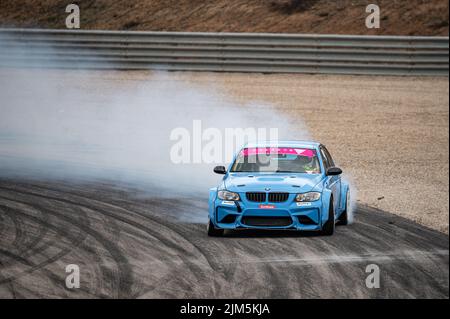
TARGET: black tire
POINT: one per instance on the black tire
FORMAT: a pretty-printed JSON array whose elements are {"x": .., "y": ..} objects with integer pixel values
[
  {"x": 328, "y": 227},
  {"x": 343, "y": 218},
  {"x": 213, "y": 231}
]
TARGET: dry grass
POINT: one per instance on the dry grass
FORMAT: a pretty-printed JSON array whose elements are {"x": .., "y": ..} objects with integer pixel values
[{"x": 414, "y": 17}]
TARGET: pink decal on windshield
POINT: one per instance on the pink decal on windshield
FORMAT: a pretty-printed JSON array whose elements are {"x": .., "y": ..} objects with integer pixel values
[
  {"x": 278, "y": 150},
  {"x": 308, "y": 153}
]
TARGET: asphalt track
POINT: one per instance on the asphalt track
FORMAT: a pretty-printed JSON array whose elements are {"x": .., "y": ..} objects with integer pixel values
[{"x": 131, "y": 245}]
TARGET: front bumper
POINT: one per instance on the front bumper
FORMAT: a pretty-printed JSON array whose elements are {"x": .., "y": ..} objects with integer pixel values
[{"x": 244, "y": 214}]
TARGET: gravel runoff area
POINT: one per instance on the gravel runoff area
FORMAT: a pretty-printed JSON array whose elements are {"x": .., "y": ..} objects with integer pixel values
[{"x": 389, "y": 134}]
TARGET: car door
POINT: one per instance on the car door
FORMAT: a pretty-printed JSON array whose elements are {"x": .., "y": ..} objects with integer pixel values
[{"x": 333, "y": 182}]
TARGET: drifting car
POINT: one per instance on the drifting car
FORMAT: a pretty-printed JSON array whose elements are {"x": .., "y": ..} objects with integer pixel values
[{"x": 283, "y": 185}]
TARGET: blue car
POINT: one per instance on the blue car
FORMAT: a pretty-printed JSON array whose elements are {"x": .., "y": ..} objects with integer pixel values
[{"x": 283, "y": 185}]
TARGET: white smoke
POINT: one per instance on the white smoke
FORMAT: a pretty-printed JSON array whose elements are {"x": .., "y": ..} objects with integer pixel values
[
  {"x": 95, "y": 125},
  {"x": 351, "y": 209},
  {"x": 76, "y": 124}
]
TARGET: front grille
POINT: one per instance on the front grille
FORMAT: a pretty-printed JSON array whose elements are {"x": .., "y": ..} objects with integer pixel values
[
  {"x": 263, "y": 221},
  {"x": 278, "y": 197},
  {"x": 256, "y": 197},
  {"x": 260, "y": 197}
]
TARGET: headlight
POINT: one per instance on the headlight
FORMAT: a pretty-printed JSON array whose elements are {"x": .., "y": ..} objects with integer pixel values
[
  {"x": 226, "y": 195},
  {"x": 307, "y": 197}
]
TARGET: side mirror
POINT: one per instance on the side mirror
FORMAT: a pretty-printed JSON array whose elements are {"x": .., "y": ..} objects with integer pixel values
[
  {"x": 220, "y": 170},
  {"x": 333, "y": 171}
]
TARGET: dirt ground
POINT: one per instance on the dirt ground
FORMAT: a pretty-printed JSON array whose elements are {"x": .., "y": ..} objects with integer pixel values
[
  {"x": 399, "y": 17},
  {"x": 389, "y": 134}
]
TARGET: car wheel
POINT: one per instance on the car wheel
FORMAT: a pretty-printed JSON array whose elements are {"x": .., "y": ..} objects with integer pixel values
[
  {"x": 343, "y": 218},
  {"x": 328, "y": 227},
  {"x": 213, "y": 231}
]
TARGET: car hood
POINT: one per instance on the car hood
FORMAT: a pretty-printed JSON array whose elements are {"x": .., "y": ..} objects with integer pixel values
[{"x": 276, "y": 182}]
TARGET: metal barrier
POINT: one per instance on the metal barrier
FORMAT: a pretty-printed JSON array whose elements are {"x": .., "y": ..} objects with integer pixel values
[{"x": 228, "y": 52}]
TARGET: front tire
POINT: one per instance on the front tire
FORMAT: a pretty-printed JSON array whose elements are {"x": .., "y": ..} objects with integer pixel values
[
  {"x": 213, "y": 231},
  {"x": 328, "y": 227}
]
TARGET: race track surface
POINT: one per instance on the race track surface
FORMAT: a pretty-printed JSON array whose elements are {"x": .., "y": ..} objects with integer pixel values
[{"x": 132, "y": 245}]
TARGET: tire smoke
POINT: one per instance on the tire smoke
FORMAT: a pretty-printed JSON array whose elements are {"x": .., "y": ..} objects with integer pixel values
[
  {"x": 90, "y": 125},
  {"x": 117, "y": 127}
]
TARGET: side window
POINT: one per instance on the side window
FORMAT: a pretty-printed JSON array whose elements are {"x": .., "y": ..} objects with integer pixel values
[
  {"x": 329, "y": 158},
  {"x": 326, "y": 162}
]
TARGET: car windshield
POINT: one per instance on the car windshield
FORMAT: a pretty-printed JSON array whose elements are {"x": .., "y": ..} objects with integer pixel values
[{"x": 277, "y": 160}]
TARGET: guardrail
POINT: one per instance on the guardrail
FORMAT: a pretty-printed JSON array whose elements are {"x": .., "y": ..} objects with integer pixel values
[{"x": 229, "y": 52}]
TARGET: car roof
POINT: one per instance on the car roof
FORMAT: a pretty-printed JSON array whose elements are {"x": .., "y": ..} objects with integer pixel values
[{"x": 297, "y": 144}]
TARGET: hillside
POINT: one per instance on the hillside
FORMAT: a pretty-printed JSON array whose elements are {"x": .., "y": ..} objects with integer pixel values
[{"x": 414, "y": 17}]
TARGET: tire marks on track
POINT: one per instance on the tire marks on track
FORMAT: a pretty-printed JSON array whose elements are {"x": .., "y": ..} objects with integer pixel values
[
  {"x": 125, "y": 274},
  {"x": 155, "y": 255}
]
